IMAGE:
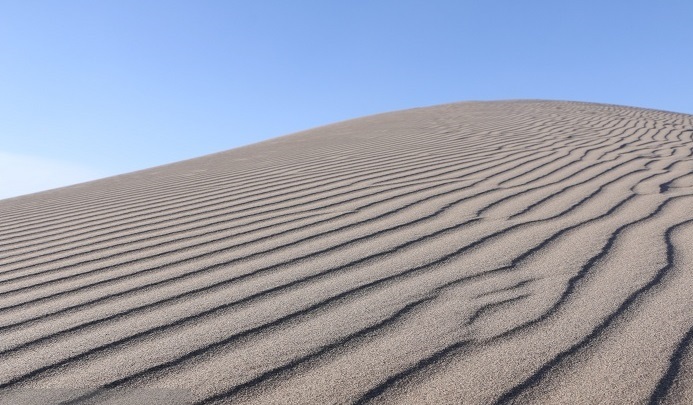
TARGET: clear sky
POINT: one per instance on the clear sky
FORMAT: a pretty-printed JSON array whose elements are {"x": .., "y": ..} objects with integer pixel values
[{"x": 94, "y": 88}]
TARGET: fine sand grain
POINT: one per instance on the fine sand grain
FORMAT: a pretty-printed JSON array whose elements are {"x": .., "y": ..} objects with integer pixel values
[{"x": 470, "y": 253}]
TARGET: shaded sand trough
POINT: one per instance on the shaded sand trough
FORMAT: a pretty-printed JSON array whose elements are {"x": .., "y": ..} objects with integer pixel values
[{"x": 476, "y": 253}]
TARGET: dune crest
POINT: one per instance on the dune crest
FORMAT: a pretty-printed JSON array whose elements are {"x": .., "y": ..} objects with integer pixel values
[{"x": 476, "y": 253}]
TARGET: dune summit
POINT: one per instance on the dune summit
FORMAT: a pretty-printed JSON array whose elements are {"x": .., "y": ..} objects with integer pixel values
[{"x": 476, "y": 253}]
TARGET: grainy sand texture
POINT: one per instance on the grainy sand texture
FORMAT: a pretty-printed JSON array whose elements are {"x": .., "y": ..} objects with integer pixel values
[{"x": 535, "y": 252}]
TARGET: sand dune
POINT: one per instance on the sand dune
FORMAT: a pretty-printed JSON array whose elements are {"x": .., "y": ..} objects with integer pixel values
[{"x": 476, "y": 253}]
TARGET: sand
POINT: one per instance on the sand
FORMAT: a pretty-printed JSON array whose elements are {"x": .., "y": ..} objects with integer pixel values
[{"x": 475, "y": 253}]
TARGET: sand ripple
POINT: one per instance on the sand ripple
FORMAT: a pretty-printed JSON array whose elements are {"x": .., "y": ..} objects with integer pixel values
[{"x": 476, "y": 253}]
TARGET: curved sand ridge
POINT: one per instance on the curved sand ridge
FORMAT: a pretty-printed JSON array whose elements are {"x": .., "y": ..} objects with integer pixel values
[{"x": 483, "y": 252}]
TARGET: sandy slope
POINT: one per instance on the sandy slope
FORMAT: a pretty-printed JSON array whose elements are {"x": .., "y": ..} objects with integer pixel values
[{"x": 491, "y": 252}]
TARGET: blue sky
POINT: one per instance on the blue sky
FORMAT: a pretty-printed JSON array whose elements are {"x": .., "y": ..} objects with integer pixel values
[{"x": 95, "y": 88}]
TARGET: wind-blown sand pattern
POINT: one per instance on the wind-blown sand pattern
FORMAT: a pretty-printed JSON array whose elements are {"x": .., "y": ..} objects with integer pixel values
[{"x": 476, "y": 253}]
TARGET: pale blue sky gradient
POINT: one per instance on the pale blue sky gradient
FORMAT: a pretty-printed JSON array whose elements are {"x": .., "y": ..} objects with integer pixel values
[{"x": 105, "y": 87}]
